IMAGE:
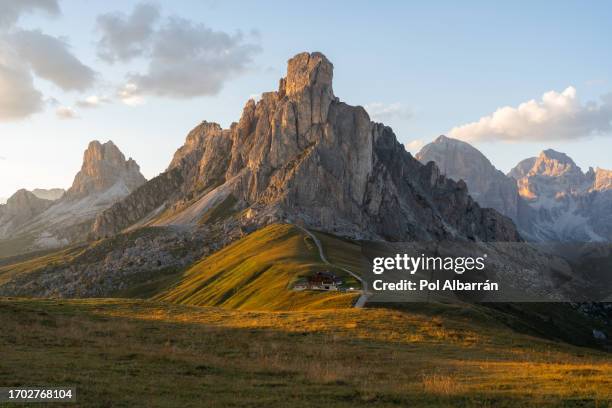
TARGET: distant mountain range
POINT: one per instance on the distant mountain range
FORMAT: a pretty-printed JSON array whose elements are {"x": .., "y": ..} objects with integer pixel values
[
  {"x": 549, "y": 197},
  {"x": 41, "y": 219},
  {"x": 300, "y": 155},
  {"x": 297, "y": 156}
]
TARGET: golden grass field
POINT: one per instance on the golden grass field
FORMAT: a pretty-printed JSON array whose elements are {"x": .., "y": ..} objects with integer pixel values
[
  {"x": 229, "y": 332},
  {"x": 143, "y": 353}
]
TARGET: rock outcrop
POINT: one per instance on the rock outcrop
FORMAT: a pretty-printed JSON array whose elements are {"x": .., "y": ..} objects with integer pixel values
[{"x": 301, "y": 155}]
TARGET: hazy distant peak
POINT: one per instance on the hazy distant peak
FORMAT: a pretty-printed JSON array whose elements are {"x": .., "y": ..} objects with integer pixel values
[
  {"x": 49, "y": 194},
  {"x": 104, "y": 165}
]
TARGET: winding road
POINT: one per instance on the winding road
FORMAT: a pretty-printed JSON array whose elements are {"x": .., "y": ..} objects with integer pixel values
[{"x": 364, "y": 285}]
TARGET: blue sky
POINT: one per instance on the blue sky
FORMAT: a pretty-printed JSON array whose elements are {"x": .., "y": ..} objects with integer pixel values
[{"x": 421, "y": 67}]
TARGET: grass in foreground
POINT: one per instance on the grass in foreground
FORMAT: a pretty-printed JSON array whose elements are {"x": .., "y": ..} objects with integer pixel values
[{"x": 138, "y": 353}]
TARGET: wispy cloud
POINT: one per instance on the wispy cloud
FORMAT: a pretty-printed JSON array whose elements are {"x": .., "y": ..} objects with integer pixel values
[
  {"x": 66, "y": 112},
  {"x": 386, "y": 111},
  {"x": 130, "y": 95},
  {"x": 92, "y": 101},
  {"x": 556, "y": 116}
]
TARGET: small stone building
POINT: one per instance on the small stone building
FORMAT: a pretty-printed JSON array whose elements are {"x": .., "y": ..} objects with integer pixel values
[{"x": 324, "y": 280}]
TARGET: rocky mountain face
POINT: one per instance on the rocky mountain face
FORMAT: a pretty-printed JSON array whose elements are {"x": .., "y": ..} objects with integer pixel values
[
  {"x": 105, "y": 178},
  {"x": 461, "y": 161},
  {"x": 567, "y": 204},
  {"x": 522, "y": 168},
  {"x": 104, "y": 167},
  {"x": 301, "y": 155},
  {"x": 548, "y": 197}
]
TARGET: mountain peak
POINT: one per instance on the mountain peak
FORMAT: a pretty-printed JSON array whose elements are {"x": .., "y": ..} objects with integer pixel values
[
  {"x": 554, "y": 164},
  {"x": 103, "y": 166},
  {"x": 462, "y": 161},
  {"x": 300, "y": 155},
  {"x": 308, "y": 71},
  {"x": 560, "y": 157},
  {"x": 443, "y": 139},
  {"x": 24, "y": 205}
]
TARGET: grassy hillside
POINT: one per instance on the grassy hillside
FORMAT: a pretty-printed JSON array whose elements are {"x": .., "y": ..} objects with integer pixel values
[
  {"x": 125, "y": 353},
  {"x": 256, "y": 273}
]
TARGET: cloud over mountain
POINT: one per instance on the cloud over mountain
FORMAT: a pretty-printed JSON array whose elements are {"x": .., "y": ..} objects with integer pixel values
[
  {"x": 19, "y": 97},
  {"x": 51, "y": 59},
  {"x": 125, "y": 37},
  {"x": 25, "y": 54},
  {"x": 557, "y": 116},
  {"x": 185, "y": 59}
]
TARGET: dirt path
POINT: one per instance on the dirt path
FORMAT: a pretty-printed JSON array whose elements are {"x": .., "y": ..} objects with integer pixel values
[{"x": 364, "y": 285}]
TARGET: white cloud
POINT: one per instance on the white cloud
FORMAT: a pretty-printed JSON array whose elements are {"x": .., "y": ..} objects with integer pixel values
[
  {"x": 414, "y": 146},
  {"x": 126, "y": 37},
  {"x": 19, "y": 99},
  {"x": 386, "y": 111},
  {"x": 557, "y": 116},
  {"x": 93, "y": 101},
  {"x": 51, "y": 59},
  {"x": 185, "y": 59},
  {"x": 130, "y": 95},
  {"x": 25, "y": 54},
  {"x": 66, "y": 112}
]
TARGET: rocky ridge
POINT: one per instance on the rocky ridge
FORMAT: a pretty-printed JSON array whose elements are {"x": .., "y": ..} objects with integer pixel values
[
  {"x": 548, "y": 196},
  {"x": 568, "y": 204},
  {"x": 301, "y": 155}
]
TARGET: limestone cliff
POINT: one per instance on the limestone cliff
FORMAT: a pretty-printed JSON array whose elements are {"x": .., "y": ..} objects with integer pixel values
[{"x": 302, "y": 155}]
